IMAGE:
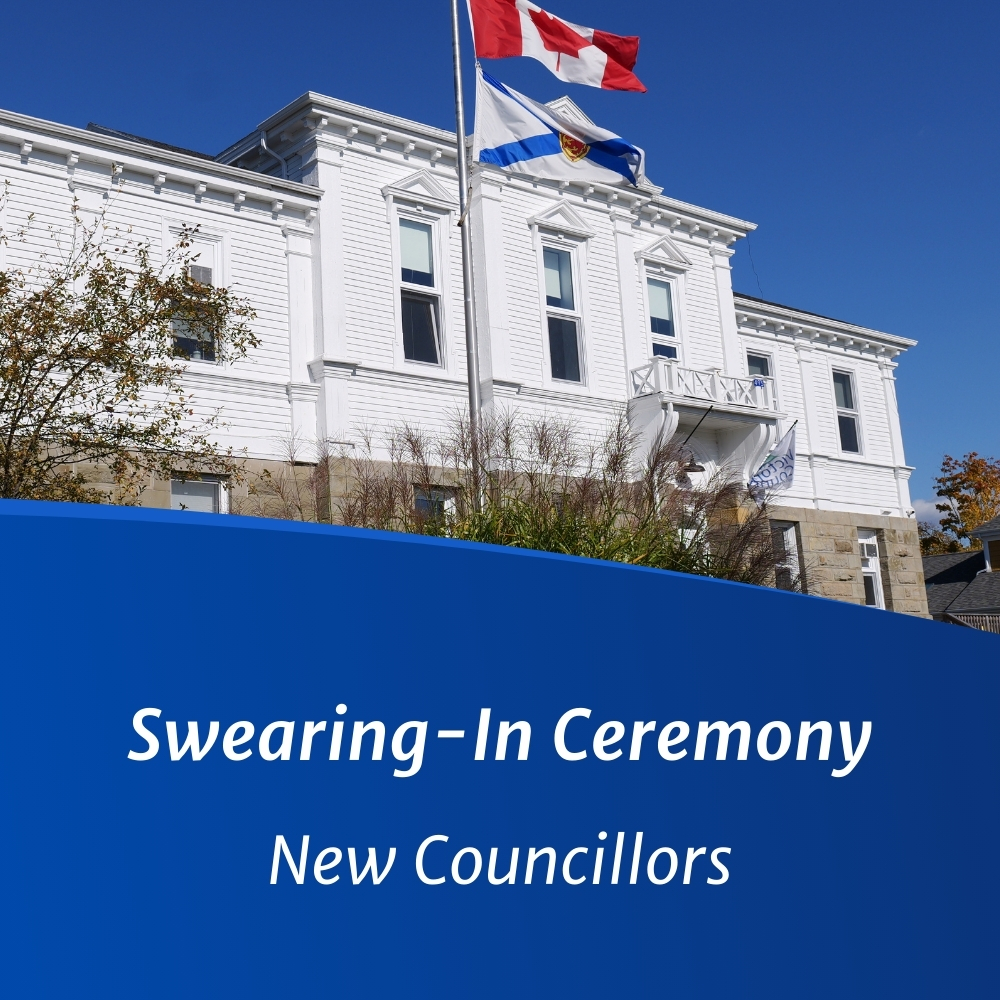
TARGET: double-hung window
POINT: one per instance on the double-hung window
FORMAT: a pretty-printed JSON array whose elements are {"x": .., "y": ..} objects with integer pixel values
[
  {"x": 661, "y": 318},
  {"x": 758, "y": 365},
  {"x": 188, "y": 343},
  {"x": 419, "y": 308},
  {"x": 562, "y": 316},
  {"x": 847, "y": 412}
]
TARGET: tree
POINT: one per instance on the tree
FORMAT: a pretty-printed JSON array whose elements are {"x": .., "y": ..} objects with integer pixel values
[
  {"x": 542, "y": 487},
  {"x": 934, "y": 541},
  {"x": 93, "y": 346},
  {"x": 970, "y": 487}
]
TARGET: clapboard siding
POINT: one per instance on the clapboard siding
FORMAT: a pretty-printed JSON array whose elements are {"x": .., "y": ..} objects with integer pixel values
[
  {"x": 363, "y": 382},
  {"x": 250, "y": 395}
]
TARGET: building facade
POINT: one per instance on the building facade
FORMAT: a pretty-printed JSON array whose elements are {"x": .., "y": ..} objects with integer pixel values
[{"x": 339, "y": 223}]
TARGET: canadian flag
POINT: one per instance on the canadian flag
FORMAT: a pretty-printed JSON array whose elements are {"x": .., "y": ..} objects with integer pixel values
[{"x": 576, "y": 54}]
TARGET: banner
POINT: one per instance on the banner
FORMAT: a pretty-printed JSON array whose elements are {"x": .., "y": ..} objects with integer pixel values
[{"x": 252, "y": 759}]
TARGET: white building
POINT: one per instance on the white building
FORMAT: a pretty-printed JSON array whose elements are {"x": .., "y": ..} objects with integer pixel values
[{"x": 339, "y": 224}]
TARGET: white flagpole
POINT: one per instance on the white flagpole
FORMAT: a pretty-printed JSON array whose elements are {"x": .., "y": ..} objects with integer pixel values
[{"x": 471, "y": 338}]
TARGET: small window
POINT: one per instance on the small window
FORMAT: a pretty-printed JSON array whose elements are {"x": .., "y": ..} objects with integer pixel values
[
  {"x": 871, "y": 568},
  {"x": 416, "y": 253},
  {"x": 200, "y": 348},
  {"x": 847, "y": 417},
  {"x": 558, "y": 278},
  {"x": 420, "y": 328},
  {"x": 564, "y": 349},
  {"x": 661, "y": 309},
  {"x": 788, "y": 573},
  {"x": 759, "y": 365},
  {"x": 205, "y": 495},
  {"x": 664, "y": 351},
  {"x": 435, "y": 503}
]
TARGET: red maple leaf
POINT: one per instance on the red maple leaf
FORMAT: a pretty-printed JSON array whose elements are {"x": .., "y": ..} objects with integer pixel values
[{"x": 556, "y": 36}]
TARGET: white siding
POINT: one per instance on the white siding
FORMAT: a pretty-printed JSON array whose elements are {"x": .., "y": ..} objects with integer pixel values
[{"x": 369, "y": 384}]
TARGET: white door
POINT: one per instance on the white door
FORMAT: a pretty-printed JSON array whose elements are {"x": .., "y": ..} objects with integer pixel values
[{"x": 871, "y": 568}]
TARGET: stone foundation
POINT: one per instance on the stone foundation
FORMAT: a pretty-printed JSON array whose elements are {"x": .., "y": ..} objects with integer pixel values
[{"x": 831, "y": 558}]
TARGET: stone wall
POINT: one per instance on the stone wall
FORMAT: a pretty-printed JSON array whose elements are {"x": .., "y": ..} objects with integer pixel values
[{"x": 831, "y": 559}]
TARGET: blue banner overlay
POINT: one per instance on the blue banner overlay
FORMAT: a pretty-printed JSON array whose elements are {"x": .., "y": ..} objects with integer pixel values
[{"x": 252, "y": 759}]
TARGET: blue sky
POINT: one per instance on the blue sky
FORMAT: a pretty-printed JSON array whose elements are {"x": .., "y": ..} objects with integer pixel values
[{"x": 862, "y": 138}]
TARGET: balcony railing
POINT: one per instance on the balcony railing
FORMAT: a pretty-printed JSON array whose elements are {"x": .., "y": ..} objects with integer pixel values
[{"x": 663, "y": 375}]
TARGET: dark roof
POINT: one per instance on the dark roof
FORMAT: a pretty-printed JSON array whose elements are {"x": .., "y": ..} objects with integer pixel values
[
  {"x": 992, "y": 525},
  {"x": 981, "y": 597},
  {"x": 116, "y": 134},
  {"x": 947, "y": 576},
  {"x": 808, "y": 312}
]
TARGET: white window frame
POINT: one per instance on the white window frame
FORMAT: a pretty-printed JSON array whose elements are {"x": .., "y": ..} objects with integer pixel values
[
  {"x": 438, "y": 219},
  {"x": 212, "y": 249},
  {"x": 449, "y": 499},
  {"x": 869, "y": 536},
  {"x": 221, "y": 481},
  {"x": 852, "y": 373},
  {"x": 674, "y": 276},
  {"x": 760, "y": 353},
  {"x": 576, "y": 247},
  {"x": 793, "y": 560}
]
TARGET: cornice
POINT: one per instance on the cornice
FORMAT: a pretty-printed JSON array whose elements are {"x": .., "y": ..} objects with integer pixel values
[
  {"x": 313, "y": 115},
  {"x": 35, "y": 135},
  {"x": 318, "y": 113},
  {"x": 690, "y": 220},
  {"x": 312, "y": 104},
  {"x": 785, "y": 322}
]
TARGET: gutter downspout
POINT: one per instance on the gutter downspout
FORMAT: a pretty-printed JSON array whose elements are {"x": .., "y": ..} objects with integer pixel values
[{"x": 272, "y": 153}]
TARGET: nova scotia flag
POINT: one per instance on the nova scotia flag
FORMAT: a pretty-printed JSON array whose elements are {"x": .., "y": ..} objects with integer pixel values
[{"x": 523, "y": 136}]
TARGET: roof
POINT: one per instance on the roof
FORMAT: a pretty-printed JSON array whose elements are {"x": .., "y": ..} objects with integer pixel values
[
  {"x": 117, "y": 134},
  {"x": 111, "y": 146},
  {"x": 344, "y": 118},
  {"x": 987, "y": 528},
  {"x": 947, "y": 576},
  {"x": 981, "y": 597},
  {"x": 754, "y": 306},
  {"x": 780, "y": 305}
]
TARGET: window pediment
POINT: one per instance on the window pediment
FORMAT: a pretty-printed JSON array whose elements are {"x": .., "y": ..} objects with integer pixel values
[
  {"x": 664, "y": 251},
  {"x": 423, "y": 189},
  {"x": 562, "y": 218}
]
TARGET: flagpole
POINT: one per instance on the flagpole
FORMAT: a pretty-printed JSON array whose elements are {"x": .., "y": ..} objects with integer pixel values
[{"x": 471, "y": 338}]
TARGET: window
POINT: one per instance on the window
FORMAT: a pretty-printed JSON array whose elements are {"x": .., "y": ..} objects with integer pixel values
[
  {"x": 206, "y": 495},
  {"x": 759, "y": 365},
  {"x": 563, "y": 321},
  {"x": 419, "y": 312},
  {"x": 788, "y": 574},
  {"x": 661, "y": 318},
  {"x": 415, "y": 252},
  {"x": 186, "y": 344},
  {"x": 420, "y": 334},
  {"x": 847, "y": 415},
  {"x": 871, "y": 568},
  {"x": 435, "y": 503}
]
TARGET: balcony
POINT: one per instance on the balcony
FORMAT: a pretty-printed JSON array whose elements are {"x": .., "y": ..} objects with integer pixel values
[
  {"x": 669, "y": 400},
  {"x": 704, "y": 388}
]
